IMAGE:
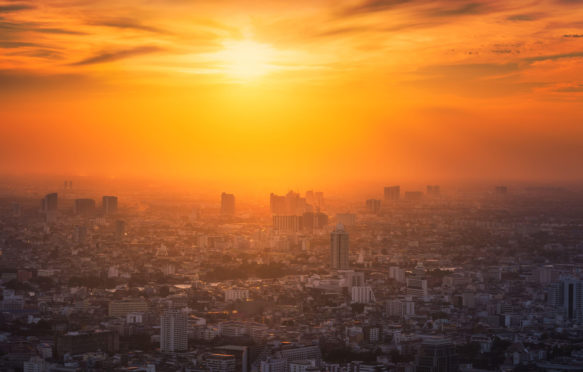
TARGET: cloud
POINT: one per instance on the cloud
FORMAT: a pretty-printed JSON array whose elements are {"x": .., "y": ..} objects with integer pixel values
[
  {"x": 126, "y": 23},
  {"x": 15, "y": 8},
  {"x": 523, "y": 17},
  {"x": 574, "y": 88},
  {"x": 16, "y": 44},
  {"x": 573, "y": 35},
  {"x": 465, "y": 9},
  {"x": 553, "y": 57},
  {"x": 372, "y": 6},
  {"x": 112, "y": 56},
  {"x": 35, "y": 27}
]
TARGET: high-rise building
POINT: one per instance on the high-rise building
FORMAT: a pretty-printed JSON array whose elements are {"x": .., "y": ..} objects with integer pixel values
[
  {"x": 227, "y": 204},
  {"x": 277, "y": 204},
  {"x": 362, "y": 295},
  {"x": 174, "y": 332},
  {"x": 120, "y": 229},
  {"x": 287, "y": 224},
  {"x": 314, "y": 220},
  {"x": 437, "y": 355},
  {"x": 433, "y": 190},
  {"x": 109, "y": 204},
  {"x": 373, "y": 205},
  {"x": 501, "y": 190},
  {"x": 50, "y": 202},
  {"x": 339, "y": 249},
  {"x": 84, "y": 206},
  {"x": 567, "y": 295},
  {"x": 392, "y": 192}
]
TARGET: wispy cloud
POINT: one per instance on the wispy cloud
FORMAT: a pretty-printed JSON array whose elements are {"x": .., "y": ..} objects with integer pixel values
[
  {"x": 117, "y": 55},
  {"x": 10, "y": 8},
  {"x": 553, "y": 57},
  {"x": 126, "y": 23}
]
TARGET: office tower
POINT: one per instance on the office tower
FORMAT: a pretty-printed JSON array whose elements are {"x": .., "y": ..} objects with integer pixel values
[
  {"x": 314, "y": 221},
  {"x": 339, "y": 249},
  {"x": 68, "y": 185},
  {"x": 84, "y": 206},
  {"x": 227, "y": 204},
  {"x": 221, "y": 363},
  {"x": 120, "y": 229},
  {"x": 173, "y": 331},
  {"x": 287, "y": 224},
  {"x": 373, "y": 205},
  {"x": 50, "y": 202},
  {"x": 413, "y": 195},
  {"x": 277, "y": 204},
  {"x": 362, "y": 295},
  {"x": 392, "y": 192},
  {"x": 437, "y": 355},
  {"x": 109, "y": 204},
  {"x": 346, "y": 219},
  {"x": 567, "y": 296},
  {"x": 433, "y": 190},
  {"x": 291, "y": 353}
]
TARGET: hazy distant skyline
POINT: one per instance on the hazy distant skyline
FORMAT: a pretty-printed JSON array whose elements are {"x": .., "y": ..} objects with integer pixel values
[{"x": 293, "y": 95}]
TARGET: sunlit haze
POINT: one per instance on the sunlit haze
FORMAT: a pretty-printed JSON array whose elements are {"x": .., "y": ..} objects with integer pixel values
[{"x": 279, "y": 94}]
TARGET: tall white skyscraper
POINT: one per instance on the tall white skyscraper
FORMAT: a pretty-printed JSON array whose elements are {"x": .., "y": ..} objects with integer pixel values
[
  {"x": 173, "y": 331},
  {"x": 339, "y": 248}
]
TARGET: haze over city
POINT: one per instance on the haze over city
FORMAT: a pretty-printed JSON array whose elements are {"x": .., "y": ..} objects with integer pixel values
[{"x": 304, "y": 93}]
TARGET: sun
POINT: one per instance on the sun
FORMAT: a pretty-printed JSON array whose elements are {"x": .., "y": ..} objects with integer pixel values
[{"x": 245, "y": 59}]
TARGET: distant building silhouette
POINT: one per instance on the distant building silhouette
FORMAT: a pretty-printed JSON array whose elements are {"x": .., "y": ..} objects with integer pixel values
[
  {"x": 50, "y": 202},
  {"x": 227, "y": 204},
  {"x": 84, "y": 206},
  {"x": 433, "y": 190},
  {"x": 373, "y": 205},
  {"x": 109, "y": 204},
  {"x": 501, "y": 190},
  {"x": 392, "y": 192},
  {"x": 339, "y": 249}
]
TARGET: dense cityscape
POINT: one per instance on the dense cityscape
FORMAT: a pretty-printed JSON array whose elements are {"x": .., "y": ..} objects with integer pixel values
[{"x": 406, "y": 281}]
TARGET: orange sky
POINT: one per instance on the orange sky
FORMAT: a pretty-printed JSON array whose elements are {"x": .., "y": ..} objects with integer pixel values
[{"x": 293, "y": 94}]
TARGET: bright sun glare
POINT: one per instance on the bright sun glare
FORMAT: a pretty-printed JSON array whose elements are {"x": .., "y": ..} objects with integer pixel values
[{"x": 245, "y": 59}]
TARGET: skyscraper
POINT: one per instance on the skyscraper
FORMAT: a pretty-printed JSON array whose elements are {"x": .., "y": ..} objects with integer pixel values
[
  {"x": 567, "y": 296},
  {"x": 109, "y": 204},
  {"x": 227, "y": 204},
  {"x": 339, "y": 249},
  {"x": 437, "y": 355},
  {"x": 50, "y": 202},
  {"x": 433, "y": 190},
  {"x": 84, "y": 206},
  {"x": 173, "y": 331},
  {"x": 392, "y": 192},
  {"x": 373, "y": 205}
]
